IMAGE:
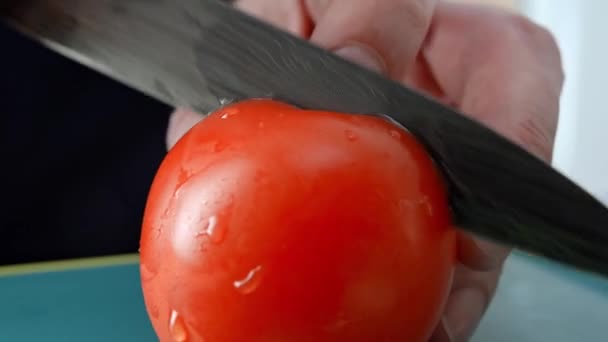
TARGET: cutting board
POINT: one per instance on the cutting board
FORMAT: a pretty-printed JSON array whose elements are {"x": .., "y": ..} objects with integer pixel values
[{"x": 100, "y": 300}]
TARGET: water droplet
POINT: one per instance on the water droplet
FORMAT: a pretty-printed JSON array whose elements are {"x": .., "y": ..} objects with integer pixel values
[
  {"x": 228, "y": 112},
  {"x": 219, "y": 146},
  {"x": 227, "y": 115},
  {"x": 251, "y": 281},
  {"x": 158, "y": 230},
  {"x": 166, "y": 213},
  {"x": 178, "y": 193},
  {"x": 177, "y": 327},
  {"x": 261, "y": 124},
  {"x": 215, "y": 232},
  {"x": 183, "y": 176},
  {"x": 427, "y": 205},
  {"x": 147, "y": 273},
  {"x": 395, "y": 134},
  {"x": 154, "y": 311},
  {"x": 350, "y": 135}
]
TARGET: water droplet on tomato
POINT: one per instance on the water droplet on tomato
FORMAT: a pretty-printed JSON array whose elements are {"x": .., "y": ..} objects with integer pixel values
[
  {"x": 395, "y": 134},
  {"x": 177, "y": 194},
  {"x": 166, "y": 213},
  {"x": 177, "y": 327},
  {"x": 183, "y": 175},
  {"x": 228, "y": 113},
  {"x": 218, "y": 234},
  {"x": 147, "y": 272},
  {"x": 215, "y": 232},
  {"x": 261, "y": 124},
  {"x": 350, "y": 135},
  {"x": 219, "y": 146},
  {"x": 158, "y": 231},
  {"x": 154, "y": 311},
  {"x": 251, "y": 281},
  {"x": 211, "y": 225},
  {"x": 425, "y": 201}
]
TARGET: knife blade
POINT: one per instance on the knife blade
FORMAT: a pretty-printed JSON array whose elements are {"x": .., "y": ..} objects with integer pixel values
[{"x": 201, "y": 53}]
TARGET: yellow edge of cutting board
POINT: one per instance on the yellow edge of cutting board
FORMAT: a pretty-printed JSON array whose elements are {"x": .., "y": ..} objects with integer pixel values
[{"x": 68, "y": 265}]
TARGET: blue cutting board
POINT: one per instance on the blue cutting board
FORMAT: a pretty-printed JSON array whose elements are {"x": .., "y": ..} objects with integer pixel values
[
  {"x": 100, "y": 300},
  {"x": 93, "y": 300}
]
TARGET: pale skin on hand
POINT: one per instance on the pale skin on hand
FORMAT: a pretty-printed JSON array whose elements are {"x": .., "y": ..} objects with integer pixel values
[{"x": 491, "y": 64}]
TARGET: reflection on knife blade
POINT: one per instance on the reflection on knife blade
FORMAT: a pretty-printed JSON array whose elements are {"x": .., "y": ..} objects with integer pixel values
[{"x": 194, "y": 52}]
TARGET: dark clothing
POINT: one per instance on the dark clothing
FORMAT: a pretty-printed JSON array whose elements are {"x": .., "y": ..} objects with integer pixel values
[{"x": 79, "y": 154}]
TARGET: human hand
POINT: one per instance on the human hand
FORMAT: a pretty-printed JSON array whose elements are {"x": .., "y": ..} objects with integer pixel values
[{"x": 497, "y": 67}]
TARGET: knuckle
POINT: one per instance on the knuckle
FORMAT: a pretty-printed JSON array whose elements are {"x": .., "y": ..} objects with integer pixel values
[
  {"x": 536, "y": 137},
  {"x": 412, "y": 13},
  {"x": 538, "y": 35},
  {"x": 516, "y": 27},
  {"x": 535, "y": 38},
  {"x": 531, "y": 29},
  {"x": 537, "y": 130},
  {"x": 416, "y": 12},
  {"x": 537, "y": 124}
]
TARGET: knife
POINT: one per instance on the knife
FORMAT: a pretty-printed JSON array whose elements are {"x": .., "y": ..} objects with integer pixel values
[{"x": 201, "y": 53}]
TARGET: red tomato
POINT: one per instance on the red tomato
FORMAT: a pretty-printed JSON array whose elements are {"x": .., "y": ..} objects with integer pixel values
[{"x": 271, "y": 223}]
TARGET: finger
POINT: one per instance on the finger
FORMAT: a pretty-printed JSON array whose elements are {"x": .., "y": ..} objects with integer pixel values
[
  {"x": 468, "y": 302},
  {"x": 474, "y": 284},
  {"x": 383, "y": 35},
  {"x": 479, "y": 254},
  {"x": 502, "y": 70},
  {"x": 463, "y": 312},
  {"x": 441, "y": 334},
  {"x": 180, "y": 122},
  {"x": 288, "y": 15}
]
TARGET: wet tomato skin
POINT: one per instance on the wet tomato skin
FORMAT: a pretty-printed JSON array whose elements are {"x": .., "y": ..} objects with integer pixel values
[{"x": 270, "y": 223}]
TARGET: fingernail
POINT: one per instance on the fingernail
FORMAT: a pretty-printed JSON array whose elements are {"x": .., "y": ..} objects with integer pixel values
[
  {"x": 442, "y": 333},
  {"x": 180, "y": 122},
  {"x": 463, "y": 313},
  {"x": 446, "y": 329},
  {"x": 472, "y": 253},
  {"x": 362, "y": 55}
]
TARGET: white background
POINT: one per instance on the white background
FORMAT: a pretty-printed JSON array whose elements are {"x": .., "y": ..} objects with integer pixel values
[{"x": 581, "y": 29}]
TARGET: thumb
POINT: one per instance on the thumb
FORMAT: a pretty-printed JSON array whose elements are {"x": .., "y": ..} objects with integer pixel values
[
  {"x": 180, "y": 122},
  {"x": 384, "y": 36}
]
